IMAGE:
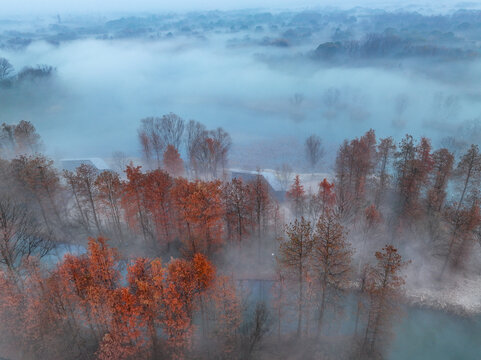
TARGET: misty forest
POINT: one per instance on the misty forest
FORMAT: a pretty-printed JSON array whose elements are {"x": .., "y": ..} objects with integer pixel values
[{"x": 271, "y": 183}]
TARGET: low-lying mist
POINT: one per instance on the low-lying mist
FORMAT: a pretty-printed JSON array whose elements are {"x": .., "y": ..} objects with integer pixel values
[
  {"x": 102, "y": 88},
  {"x": 324, "y": 203}
]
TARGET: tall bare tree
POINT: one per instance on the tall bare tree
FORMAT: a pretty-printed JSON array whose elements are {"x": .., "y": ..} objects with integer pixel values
[
  {"x": 208, "y": 150},
  {"x": 294, "y": 255},
  {"x": 383, "y": 284},
  {"x": 385, "y": 153},
  {"x": 194, "y": 132},
  {"x": 19, "y": 139},
  {"x": 85, "y": 191},
  {"x": 20, "y": 234},
  {"x": 331, "y": 260},
  {"x": 314, "y": 150},
  {"x": 172, "y": 130},
  {"x": 156, "y": 133},
  {"x": 120, "y": 161},
  {"x": 39, "y": 184},
  {"x": 6, "y": 69},
  {"x": 284, "y": 175},
  {"x": 150, "y": 136},
  {"x": 468, "y": 173}
]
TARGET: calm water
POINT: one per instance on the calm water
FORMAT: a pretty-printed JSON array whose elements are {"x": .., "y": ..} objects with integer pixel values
[{"x": 427, "y": 334}]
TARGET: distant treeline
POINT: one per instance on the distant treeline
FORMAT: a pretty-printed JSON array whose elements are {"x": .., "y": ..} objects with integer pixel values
[
  {"x": 388, "y": 45},
  {"x": 9, "y": 77}
]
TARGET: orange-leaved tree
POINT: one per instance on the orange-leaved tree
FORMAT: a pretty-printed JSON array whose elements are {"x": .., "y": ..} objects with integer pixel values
[
  {"x": 199, "y": 213},
  {"x": 173, "y": 164}
]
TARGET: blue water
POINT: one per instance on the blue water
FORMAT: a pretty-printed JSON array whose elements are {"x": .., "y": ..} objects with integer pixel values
[{"x": 427, "y": 334}]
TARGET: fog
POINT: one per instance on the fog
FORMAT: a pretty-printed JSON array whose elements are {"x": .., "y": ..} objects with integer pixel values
[
  {"x": 83, "y": 77},
  {"x": 103, "y": 87},
  {"x": 35, "y": 7}
]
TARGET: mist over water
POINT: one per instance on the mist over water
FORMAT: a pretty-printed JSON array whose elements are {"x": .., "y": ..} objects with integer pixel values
[
  {"x": 103, "y": 87},
  {"x": 269, "y": 86}
]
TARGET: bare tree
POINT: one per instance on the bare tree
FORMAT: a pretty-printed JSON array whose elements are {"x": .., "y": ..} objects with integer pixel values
[
  {"x": 84, "y": 189},
  {"x": 155, "y": 134},
  {"x": 26, "y": 138},
  {"x": 208, "y": 150},
  {"x": 172, "y": 129},
  {"x": 384, "y": 283},
  {"x": 294, "y": 254},
  {"x": 254, "y": 331},
  {"x": 119, "y": 161},
  {"x": 19, "y": 139},
  {"x": 331, "y": 259},
  {"x": 7, "y": 141},
  {"x": 195, "y": 132},
  {"x": 297, "y": 99},
  {"x": 284, "y": 175},
  {"x": 385, "y": 153},
  {"x": 20, "y": 235},
  {"x": 314, "y": 150},
  {"x": 223, "y": 143},
  {"x": 39, "y": 183},
  {"x": 454, "y": 145},
  {"x": 150, "y": 137},
  {"x": 332, "y": 102},
  {"x": 468, "y": 173},
  {"x": 6, "y": 69},
  {"x": 109, "y": 188}
]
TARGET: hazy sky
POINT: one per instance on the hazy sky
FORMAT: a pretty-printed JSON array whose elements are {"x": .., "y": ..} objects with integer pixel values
[{"x": 62, "y": 6}]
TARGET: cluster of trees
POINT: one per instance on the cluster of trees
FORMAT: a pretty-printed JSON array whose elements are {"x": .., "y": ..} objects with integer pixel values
[
  {"x": 315, "y": 262},
  {"x": 16, "y": 139},
  {"x": 406, "y": 192},
  {"x": 93, "y": 305},
  {"x": 151, "y": 209},
  {"x": 331, "y": 266},
  {"x": 108, "y": 303},
  {"x": 423, "y": 195},
  {"x": 407, "y": 195},
  {"x": 197, "y": 215},
  {"x": 8, "y": 75},
  {"x": 206, "y": 150},
  {"x": 388, "y": 45}
]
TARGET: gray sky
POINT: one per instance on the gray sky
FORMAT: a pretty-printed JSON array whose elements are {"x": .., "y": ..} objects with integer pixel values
[{"x": 9, "y": 7}]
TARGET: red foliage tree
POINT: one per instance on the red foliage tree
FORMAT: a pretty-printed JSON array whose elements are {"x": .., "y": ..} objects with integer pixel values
[
  {"x": 133, "y": 201},
  {"x": 462, "y": 221},
  {"x": 199, "y": 211},
  {"x": 173, "y": 164},
  {"x": 82, "y": 307},
  {"x": 159, "y": 205},
  {"x": 383, "y": 284},
  {"x": 354, "y": 163},
  {"x": 442, "y": 168},
  {"x": 414, "y": 163},
  {"x": 296, "y": 196},
  {"x": 109, "y": 194},
  {"x": 326, "y": 195}
]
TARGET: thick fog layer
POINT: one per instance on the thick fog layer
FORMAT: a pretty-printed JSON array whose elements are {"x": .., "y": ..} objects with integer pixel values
[
  {"x": 102, "y": 88},
  {"x": 324, "y": 203},
  {"x": 89, "y": 6}
]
